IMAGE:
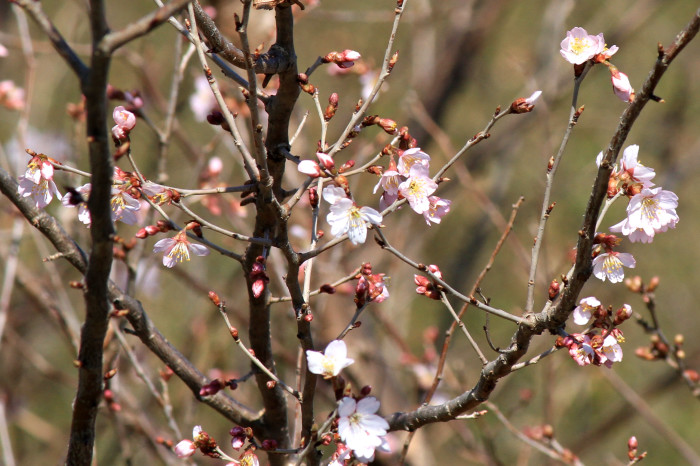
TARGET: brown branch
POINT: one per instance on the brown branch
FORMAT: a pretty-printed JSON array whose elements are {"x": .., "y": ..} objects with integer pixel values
[
  {"x": 554, "y": 317},
  {"x": 57, "y": 40},
  {"x": 141, "y": 27},
  {"x": 143, "y": 328}
]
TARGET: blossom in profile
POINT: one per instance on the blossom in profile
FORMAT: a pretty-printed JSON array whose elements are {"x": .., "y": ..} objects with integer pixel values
[
  {"x": 125, "y": 122},
  {"x": 621, "y": 85},
  {"x": 177, "y": 249},
  {"x": 186, "y": 448},
  {"x": 635, "y": 170},
  {"x": 11, "y": 95},
  {"x": 438, "y": 208},
  {"x": 124, "y": 206},
  {"x": 359, "y": 427},
  {"x": 578, "y": 47},
  {"x": 331, "y": 361},
  {"x": 37, "y": 181},
  {"x": 344, "y": 59},
  {"x": 77, "y": 197},
  {"x": 417, "y": 188},
  {"x": 611, "y": 351},
  {"x": 609, "y": 265},
  {"x": 580, "y": 348},
  {"x": 202, "y": 101},
  {"x": 582, "y": 313}
]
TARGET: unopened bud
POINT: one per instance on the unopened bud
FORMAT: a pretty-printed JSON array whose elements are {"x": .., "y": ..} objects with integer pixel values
[
  {"x": 270, "y": 384},
  {"x": 395, "y": 57},
  {"x": 548, "y": 431},
  {"x": 269, "y": 444},
  {"x": 388, "y": 125},
  {"x": 327, "y": 288},
  {"x": 653, "y": 283},
  {"x": 346, "y": 166},
  {"x": 554, "y": 289},
  {"x": 141, "y": 234},
  {"x": 76, "y": 284},
  {"x": 679, "y": 339},
  {"x": 214, "y": 298},
  {"x": 366, "y": 390},
  {"x": 313, "y": 197},
  {"x": 634, "y": 284},
  {"x": 110, "y": 373},
  {"x": 308, "y": 317},
  {"x": 692, "y": 375}
]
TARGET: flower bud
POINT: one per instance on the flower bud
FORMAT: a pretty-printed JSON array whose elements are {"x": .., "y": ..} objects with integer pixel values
[
  {"x": 215, "y": 298},
  {"x": 313, "y": 197},
  {"x": 554, "y": 289},
  {"x": 270, "y": 384},
  {"x": 388, "y": 125},
  {"x": 326, "y": 288},
  {"x": 653, "y": 283}
]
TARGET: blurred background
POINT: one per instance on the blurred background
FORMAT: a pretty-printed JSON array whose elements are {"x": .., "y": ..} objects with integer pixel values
[{"x": 458, "y": 61}]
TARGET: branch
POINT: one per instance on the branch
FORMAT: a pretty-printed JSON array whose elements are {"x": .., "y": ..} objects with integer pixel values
[
  {"x": 143, "y": 327},
  {"x": 552, "y": 318},
  {"x": 141, "y": 27}
]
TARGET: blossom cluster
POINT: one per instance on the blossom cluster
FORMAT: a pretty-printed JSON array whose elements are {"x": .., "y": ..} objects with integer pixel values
[
  {"x": 591, "y": 348},
  {"x": 651, "y": 210},
  {"x": 580, "y": 47},
  {"x": 409, "y": 179}
]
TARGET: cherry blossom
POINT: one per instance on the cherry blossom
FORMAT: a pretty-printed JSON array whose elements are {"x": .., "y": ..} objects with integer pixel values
[
  {"x": 344, "y": 59},
  {"x": 609, "y": 265},
  {"x": 11, "y": 96},
  {"x": 651, "y": 211},
  {"x": 582, "y": 313},
  {"x": 202, "y": 101},
  {"x": 124, "y": 206},
  {"x": 177, "y": 249},
  {"x": 632, "y": 167},
  {"x": 621, "y": 85},
  {"x": 611, "y": 351},
  {"x": 390, "y": 179},
  {"x": 331, "y": 361},
  {"x": 580, "y": 348},
  {"x": 346, "y": 217},
  {"x": 186, "y": 448},
  {"x": 359, "y": 427},
  {"x": 417, "y": 188},
  {"x": 125, "y": 122},
  {"x": 78, "y": 198},
  {"x": 37, "y": 181},
  {"x": 437, "y": 209},
  {"x": 578, "y": 47},
  {"x": 411, "y": 157}
]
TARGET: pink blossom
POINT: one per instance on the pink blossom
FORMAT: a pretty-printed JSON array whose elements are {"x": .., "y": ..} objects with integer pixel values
[
  {"x": 331, "y": 361},
  {"x": 609, "y": 265},
  {"x": 124, "y": 207},
  {"x": 651, "y": 211},
  {"x": 346, "y": 217},
  {"x": 310, "y": 168},
  {"x": 390, "y": 179},
  {"x": 578, "y": 47},
  {"x": 37, "y": 181},
  {"x": 325, "y": 160},
  {"x": 634, "y": 169},
  {"x": 582, "y": 313},
  {"x": 344, "y": 59},
  {"x": 438, "y": 208},
  {"x": 202, "y": 102},
  {"x": 125, "y": 122},
  {"x": 359, "y": 427},
  {"x": 417, "y": 188},
  {"x": 177, "y": 249},
  {"x": 580, "y": 349},
  {"x": 411, "y": 157},
  {"x": 621, "y": 85},
  {"x": 185, "y": 449},
  {"x": 611, "y": 351},
  {"x": 78, "y": 198},
  {"x": 11, "y": 96}
]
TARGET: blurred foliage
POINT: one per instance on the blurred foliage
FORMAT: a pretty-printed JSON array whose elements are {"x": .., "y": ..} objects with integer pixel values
[{"x": 515, "y": 52}]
